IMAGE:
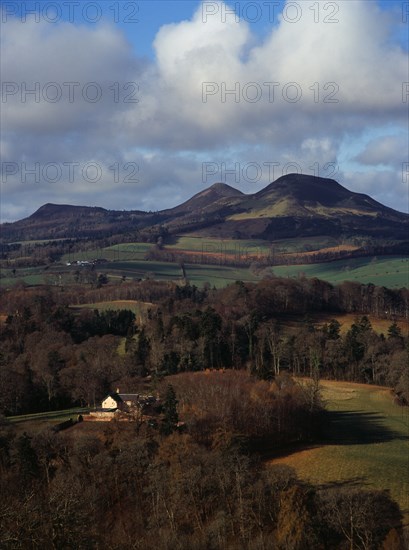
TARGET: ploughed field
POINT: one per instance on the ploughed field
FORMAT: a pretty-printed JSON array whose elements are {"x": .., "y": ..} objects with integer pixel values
[{"x": 365, "y": 443}]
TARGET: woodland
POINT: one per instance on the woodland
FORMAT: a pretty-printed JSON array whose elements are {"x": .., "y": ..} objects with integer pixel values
[{"x": 227, "y": 365}]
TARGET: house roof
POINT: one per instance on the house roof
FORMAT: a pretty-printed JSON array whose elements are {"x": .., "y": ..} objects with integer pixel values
[
  {"x": 135, "y": 398},
  {"x": 129, "y": 396},
  {"x": 115, "y": 396},
  {"x": 119, "y": 397}
]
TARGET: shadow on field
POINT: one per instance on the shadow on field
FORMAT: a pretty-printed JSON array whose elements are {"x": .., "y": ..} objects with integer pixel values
[
  {"x": 352, "y": 483},
  {"x": 357, "y": 428},
  {"x": 272, "y": 451},
  {"x": 338, "y": 428}
]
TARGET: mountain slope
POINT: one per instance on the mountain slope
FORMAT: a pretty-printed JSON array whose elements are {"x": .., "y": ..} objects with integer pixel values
[
  {"x": 59, "y": 221},
  {"x": 292, "y": 206},
  {"x": 320, "y": 196},
  {"x": 216, "y": 195}
]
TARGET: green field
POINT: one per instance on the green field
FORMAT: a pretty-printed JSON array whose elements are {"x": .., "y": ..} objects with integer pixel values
[
  {"x": 40, "y": 241},
  {"x": 35, "y": 275},
  {"x": 366, "y": 442},
  {"x": 218, "y": 276},
  {"x": 197, "y": 274},
  {"x": 118, "y": 252},
  {"x": 31, "y": 280},
  {"x": 128, "y": 260},
  {"x": 144, "y": 269},
  {"x": 229, "y": 247},
  {"x": 389, "y": 271},
  {"x": 48, "y": 417}
]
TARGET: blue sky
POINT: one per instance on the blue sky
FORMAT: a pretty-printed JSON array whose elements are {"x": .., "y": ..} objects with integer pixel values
[
  {"x": 141, "y": 20},
  {"x": 190, "y": 94}
]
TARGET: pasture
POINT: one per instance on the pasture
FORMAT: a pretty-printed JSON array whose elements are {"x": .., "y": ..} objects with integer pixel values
[
  {"x": 197, "y": 274},
  {"x": 366, "y": 442},
  {"x": 389, "y": 271},
  {"x": 232, "y": 249},
  {"x": 129, "y": 260},
  {"x": 119, "y": 252}
]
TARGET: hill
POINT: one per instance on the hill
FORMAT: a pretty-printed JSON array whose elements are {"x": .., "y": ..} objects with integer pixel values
[
  {"x": 62, "y": 221},
  {"x": 299, "y": 205},
  {"x": 211, "y": 198},
  {"x": 292, "y": 206}
]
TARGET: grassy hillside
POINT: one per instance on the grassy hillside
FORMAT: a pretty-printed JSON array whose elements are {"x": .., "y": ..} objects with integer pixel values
[{"x": 367, "y": 442}]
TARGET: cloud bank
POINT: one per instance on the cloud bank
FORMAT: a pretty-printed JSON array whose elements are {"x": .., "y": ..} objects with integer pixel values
[{"x": 86, "y": 120}]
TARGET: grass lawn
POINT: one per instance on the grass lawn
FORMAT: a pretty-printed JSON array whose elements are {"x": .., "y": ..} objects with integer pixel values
[{"x": 367, "y": 442}]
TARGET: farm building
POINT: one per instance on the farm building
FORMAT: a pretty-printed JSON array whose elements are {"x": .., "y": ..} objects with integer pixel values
[{"x": 127, "y": 401}]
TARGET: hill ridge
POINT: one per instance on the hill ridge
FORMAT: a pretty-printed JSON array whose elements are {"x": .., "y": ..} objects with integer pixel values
[{"x": 292, "y": 205}]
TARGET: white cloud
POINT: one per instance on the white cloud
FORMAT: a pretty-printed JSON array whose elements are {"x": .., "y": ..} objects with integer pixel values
[
  {"x": 387, "y": 150},
  {"x": 357, "y": 54},
  {"x": 386, "y": 186}
]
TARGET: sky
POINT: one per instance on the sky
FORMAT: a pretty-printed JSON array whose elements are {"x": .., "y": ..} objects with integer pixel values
[{"x": 141, "y": 104}]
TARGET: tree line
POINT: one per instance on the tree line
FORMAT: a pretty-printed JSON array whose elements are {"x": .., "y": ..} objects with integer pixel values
[{"x": 53, "y": 355}]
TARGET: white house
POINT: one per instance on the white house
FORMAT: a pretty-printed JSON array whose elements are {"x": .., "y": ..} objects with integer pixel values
[{"x": 125, "y": 401}]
